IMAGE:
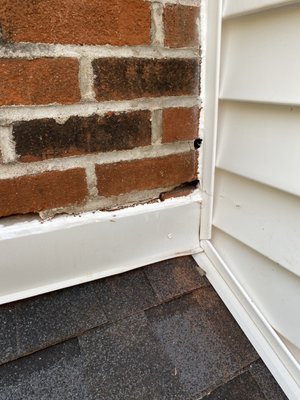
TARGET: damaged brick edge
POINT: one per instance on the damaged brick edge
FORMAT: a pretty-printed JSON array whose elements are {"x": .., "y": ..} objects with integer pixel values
[
  {"x": 129, "y": 200},
  {"x": 94, "y": 200}
]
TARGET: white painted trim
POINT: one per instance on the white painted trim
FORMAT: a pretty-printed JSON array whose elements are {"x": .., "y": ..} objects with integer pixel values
[
  {"x": 211, "y": 46},
  {"x": 40, "y": 257},
  {"x": 263, "y": 337}
]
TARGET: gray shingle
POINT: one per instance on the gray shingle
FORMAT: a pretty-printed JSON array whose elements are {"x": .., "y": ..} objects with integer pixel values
[
  {"x": 54, "y": 317},
  {"x": 125, "y": 361},
  {"x": 243, "y": 387},
  {"x": 125, "y": 294},
  {"x": 51, "y": 374},
  {"x": 8, "y": 342},
  {"x": 201, "y": 338},
  {"x": 267, "y": 383},
  {"x": 174, "y": 277}
]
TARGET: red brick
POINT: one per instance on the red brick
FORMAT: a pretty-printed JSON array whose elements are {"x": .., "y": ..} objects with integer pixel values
[
  {"x": 180, "y": 124},
  {"x": 129, "y": 78},
  {"x": 45, "y": 138},
  {"x": 180, "y": 24},
  {"x": 115, "y": 22},
  {"x": 42, "y": 81},
  {"x": 151, "y": 173},
  {"x": 34, "y": 193}
]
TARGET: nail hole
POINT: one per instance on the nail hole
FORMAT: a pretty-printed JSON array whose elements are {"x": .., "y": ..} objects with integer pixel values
[{"x": 197, "y": 143}]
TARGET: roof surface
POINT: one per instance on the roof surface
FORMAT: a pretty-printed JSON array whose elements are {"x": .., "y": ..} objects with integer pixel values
[{"x": 158, "y": 333}]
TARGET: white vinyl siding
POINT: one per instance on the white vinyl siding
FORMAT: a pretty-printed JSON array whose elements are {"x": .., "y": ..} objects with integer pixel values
[
  {"x": 256, "y": 217},
  {"x": 238, "y": 7}
]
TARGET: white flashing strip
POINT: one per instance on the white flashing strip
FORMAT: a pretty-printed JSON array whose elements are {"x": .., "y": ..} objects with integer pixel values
[
  {"x": 41, "y": 257},
  {"x": 211, "y": 23},
  {"x": 266, "y": 341}
]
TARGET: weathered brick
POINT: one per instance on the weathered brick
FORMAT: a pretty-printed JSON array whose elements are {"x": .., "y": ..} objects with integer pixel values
[
  {"x": 180, "y": 24},
  {"x": 129, "y": 78},
  {"x": 34, "y": 193},
  {"x": 41, "y": 81},
  {"x": 180, "y": 191},
  {"x": 146, "y": 174},
  {"x": 115, "y": 22},
  {"x": 45, "y": 138},
  {"x": 180, "y": 124}
]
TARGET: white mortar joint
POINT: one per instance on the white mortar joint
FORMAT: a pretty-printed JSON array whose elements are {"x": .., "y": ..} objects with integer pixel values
[
  {"x": 62, "y": 112},
  {"x": 88, "y": 161},
  {"x": 157, "y": 24},
  {"x": 193, "y": 3},
  {"x": 7, "y": 145},
  {"x": 157, "y": 129},
  {"x": 31, "y": 51},
  {"x": 91, "y": 180},
  {"x": 86, "y": 79}
]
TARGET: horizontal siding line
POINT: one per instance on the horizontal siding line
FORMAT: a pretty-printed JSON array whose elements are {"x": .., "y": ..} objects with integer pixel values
[
  {"x": 259, "y": 101},
  {"x": 39, "y": 50},
  {"x": 258, "y": 9},
  {"x": 9, "y": 171},
  {"x": 63, "y": 112},
  {"x": 256, "y": 180},
  {"x": 235, "y": 237},
  {"x": 259, "y": 216}
]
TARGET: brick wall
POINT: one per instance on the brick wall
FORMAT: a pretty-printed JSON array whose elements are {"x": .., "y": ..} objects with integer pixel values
[{"x": 99, "y": 103}]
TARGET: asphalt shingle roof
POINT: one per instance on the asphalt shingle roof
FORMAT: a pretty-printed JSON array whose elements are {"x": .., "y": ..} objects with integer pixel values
[{"x": 156, "y": 333}]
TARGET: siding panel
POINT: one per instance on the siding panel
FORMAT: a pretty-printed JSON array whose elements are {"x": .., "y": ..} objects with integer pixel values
[{"x": 256, "y": 202}]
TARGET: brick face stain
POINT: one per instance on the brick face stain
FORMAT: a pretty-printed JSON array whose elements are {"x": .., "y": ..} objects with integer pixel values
[
  {"x": 42, "y": 81},
  {"x": 45, "y": 138},
  {"x": 115, "y": 22},
  {"x": 34, "y": 193},
  {"x": 121, "y": 79}
]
